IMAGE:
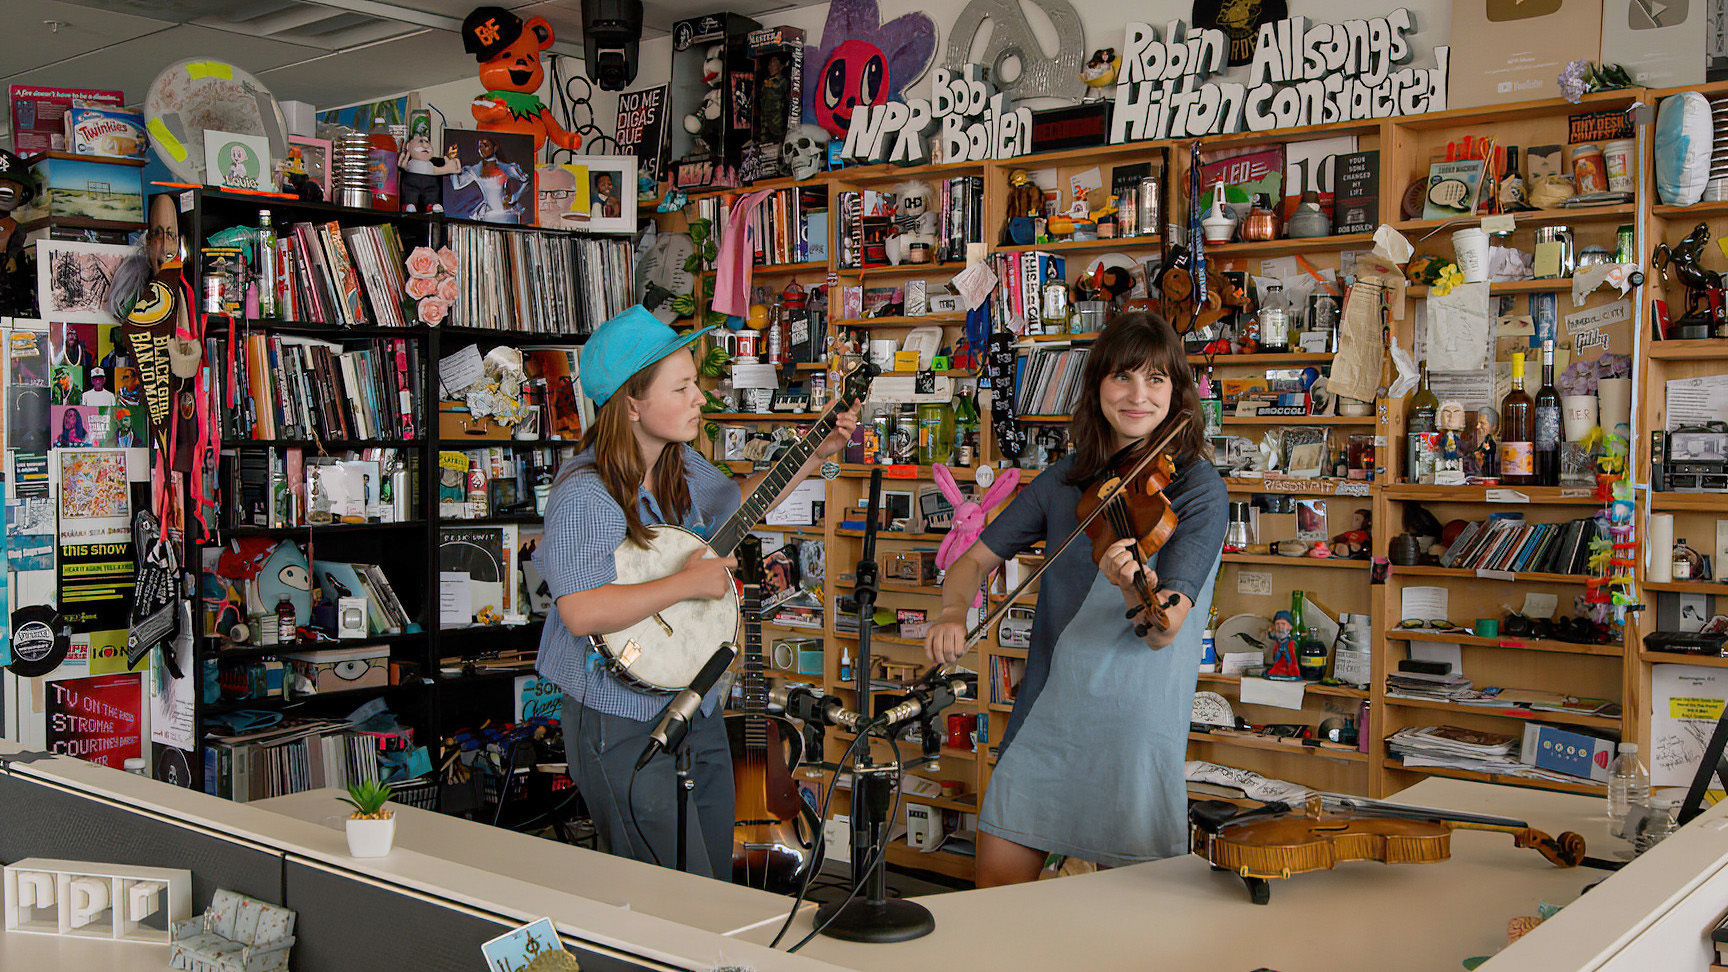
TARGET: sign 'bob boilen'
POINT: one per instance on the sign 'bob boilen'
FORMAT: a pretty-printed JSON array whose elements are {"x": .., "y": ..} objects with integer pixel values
[
  {"x": 971, "y": 121},
  {"x": 1302, "y": 74}
]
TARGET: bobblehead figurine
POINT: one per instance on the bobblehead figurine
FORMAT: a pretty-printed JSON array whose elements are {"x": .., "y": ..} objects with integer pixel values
[
  {"x": 508, "y": 51},
  {"x": 17, "y": 287},
  {"x": 421, "y": 168}
]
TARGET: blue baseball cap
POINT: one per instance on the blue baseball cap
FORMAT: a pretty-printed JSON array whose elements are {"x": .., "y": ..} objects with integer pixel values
[{"x": 625, "y": 345}]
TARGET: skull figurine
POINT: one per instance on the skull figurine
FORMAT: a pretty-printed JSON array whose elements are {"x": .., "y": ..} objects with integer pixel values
[{"x": 805, "y": 150}]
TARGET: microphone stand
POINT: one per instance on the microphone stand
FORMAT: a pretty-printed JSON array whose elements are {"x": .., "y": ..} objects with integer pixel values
[
  {"x": 871, "y": 916},
  {"x": 683, "y": 785}
]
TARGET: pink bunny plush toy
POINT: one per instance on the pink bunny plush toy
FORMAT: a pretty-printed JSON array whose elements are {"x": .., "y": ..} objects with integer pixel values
[{"x": 969, "y": 515}]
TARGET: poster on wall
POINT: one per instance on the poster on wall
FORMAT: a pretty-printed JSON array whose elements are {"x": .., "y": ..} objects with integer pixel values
[
  {"x": 643, "y": 132},
  {"x": 27, "y": 405},
  {"x": 1517, "y": 49},
  {"x": 38, "y": 114},
  {"x": 96, "y": 586},
  {"x": 95, "y": 496},
  {"x": 97, "y": 719},
  {"x": 72, "y": 279},
  {"x": 172, "y": 699}
]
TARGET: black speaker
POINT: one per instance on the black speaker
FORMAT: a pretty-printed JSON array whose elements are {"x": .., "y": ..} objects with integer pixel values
[{"x": 611, "y": 30}]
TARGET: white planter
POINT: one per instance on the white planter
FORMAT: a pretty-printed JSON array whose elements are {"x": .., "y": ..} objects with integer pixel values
[{"x": 370, "y": 838}]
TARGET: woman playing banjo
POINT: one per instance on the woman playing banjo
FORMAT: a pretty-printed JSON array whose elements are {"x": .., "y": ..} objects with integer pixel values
[{"x": 636, "y": 468}]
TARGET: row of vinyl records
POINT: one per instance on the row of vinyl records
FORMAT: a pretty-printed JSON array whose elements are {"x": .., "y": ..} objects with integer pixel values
[
  {"x": 1505, "y": 542},
  {"x": 1005, "y": 676},
  {"x": 291, "y": 759},
  {"x": 348, "y": 276},
  {"x": 291, "y": 387},
  {"x": 1048, "y": 381},
  {"x": 866, "y": 218},
  {"x": 540, "y": 283}
]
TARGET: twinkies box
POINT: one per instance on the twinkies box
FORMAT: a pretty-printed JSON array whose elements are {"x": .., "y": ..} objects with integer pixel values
[
  {"x": 337, "y": 669},
  {"x": 106, "y": 132},
  {"x": 1566, "y": 751}
]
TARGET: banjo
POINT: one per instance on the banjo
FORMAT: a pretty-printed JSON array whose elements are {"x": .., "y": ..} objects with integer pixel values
[{"x": 664, "y": 651}]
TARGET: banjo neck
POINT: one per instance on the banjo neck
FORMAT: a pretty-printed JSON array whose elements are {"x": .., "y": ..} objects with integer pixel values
[{"x": 756, "y": 506}]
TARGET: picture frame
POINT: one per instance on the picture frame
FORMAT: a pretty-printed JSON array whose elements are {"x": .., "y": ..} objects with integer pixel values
[
  {"x": 1311, "y": 519},
  {"x": 72, "y": 279},
  {"x": 315, "y": 156},
  {"x": 897, "y": 505},
  {"x": 611, "y": 204},
  {"x": 236, "y": 161},
  {"x": 471, "y": 194}
]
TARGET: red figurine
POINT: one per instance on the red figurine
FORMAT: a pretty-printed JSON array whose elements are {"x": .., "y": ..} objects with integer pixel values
[
  {"x": 1284, "y": 667},
  {"x": 509, "y": 54}
]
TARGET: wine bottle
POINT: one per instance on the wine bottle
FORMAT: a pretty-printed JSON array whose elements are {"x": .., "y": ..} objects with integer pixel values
[
  {"x": 1422, "y": 416},
  {"x": 1517, "y": 431},
  {"x": 1547, "y": 439}
]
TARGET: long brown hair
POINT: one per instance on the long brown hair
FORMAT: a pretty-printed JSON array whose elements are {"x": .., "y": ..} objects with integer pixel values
[
  {"x": 1134, "y": 342},
  {"x": 618, "y": 460}
]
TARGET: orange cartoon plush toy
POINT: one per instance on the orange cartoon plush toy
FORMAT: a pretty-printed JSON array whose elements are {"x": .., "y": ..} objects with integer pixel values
[{"x": 509, "y": 54}]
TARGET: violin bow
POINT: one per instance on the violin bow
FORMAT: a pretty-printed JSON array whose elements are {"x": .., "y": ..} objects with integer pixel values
[{"x": 984, "y": 626}]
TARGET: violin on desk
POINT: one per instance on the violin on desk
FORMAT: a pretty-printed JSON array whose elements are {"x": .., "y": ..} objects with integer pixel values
[{"x": 1277, "y": 840}]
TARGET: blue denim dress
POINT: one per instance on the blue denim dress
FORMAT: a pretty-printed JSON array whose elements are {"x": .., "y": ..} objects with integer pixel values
[{"x": 1092, "y": 761}]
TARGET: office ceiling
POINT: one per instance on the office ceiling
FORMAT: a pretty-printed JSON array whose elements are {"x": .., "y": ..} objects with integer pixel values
[{"x": 327, "y": 52}]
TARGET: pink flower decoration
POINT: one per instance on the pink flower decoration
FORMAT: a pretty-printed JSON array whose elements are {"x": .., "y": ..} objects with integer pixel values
[
  {"x": 447, "y": 289},
  {"x": 433, "y": 310},
  {"x": 418, "y": 287},
  {"x": 422, "y": 263},
  {"x": 447, "y": 260}
]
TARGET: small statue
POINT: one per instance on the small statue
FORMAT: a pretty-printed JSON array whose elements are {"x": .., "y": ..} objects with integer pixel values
[
  {"x": 1485, "y": 458},
  {"x": 17, "y": 286},
  {"x": 1283, "y": 634},
  {"x": 1353, "y": 543},
  {"x": 1025, "y": 203},
  {"x": 1449, "y": 470},
  {"x": 421, "y": 168},
  {"x": 1100, "y": 73},
  {"x": 914, "y": 222}
]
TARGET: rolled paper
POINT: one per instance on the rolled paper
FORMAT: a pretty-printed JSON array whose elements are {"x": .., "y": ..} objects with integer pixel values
[{"x": 1660, "y": 569}]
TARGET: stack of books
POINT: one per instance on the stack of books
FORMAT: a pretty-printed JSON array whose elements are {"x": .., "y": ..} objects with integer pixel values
[
  {"x": 288, "y": 387},
  {"x": 287, "y": 758},
  {"x": 347, "y": 277},
  {"x": 1504, "y": 542}
]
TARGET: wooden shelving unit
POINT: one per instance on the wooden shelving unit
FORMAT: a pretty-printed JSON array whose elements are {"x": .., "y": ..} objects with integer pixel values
[{"x": 1618, "y": 671}]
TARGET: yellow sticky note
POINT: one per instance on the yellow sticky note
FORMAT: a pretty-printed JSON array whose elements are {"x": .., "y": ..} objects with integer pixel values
[{"x": 1695, "y": 708}]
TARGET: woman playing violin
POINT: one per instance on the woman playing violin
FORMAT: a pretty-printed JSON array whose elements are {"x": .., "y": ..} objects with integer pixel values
[{"x": 1092, "y": 759}]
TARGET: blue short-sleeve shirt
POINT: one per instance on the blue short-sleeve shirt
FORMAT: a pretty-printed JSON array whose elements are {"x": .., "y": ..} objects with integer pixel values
[{"x": 584, "y": 527}]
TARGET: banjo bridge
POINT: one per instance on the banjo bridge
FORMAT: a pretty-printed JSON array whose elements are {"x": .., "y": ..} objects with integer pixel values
[{"x": 629, "y": 653}]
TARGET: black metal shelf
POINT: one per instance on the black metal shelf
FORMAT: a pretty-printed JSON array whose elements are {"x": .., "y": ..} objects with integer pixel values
[
  {"x": 503, "y": 336},
  {"x": 326, "y": 443},
  {"x": 335, "y": 332},
  {"x": 486, "y": 520},
  {"x": 353, "y": 696},
  {"x": 248, "y": 652},
  {"x": 323, "y": 528}
]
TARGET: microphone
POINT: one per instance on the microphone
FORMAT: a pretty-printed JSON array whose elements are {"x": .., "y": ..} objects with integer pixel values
[
  {"x": 802, "y": 703},
  {"x": 931, "y": 699},
  {"x": 676, "y": 722}
]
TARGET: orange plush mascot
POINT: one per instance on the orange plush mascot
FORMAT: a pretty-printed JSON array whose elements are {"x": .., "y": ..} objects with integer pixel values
[{"x": 509, "y": 54}]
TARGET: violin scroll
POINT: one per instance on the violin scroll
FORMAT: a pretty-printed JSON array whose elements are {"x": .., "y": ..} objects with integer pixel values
[{"x": 1565, "y": 851}]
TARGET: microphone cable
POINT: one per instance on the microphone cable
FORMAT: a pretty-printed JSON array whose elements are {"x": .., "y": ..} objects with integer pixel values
[
  {"x": 822, "y": 842},
  {"x": 875, "y": 862}
]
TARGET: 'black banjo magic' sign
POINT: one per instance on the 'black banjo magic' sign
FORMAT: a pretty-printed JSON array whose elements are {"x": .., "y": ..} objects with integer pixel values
[{"x": 1301, "y": 74}]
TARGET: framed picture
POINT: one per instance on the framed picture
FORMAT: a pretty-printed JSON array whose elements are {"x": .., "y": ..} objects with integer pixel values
[
  {"x": 72, "y": 279},
  {"x": 1311, "y": 519},
  {"x": 608, "y": 179},
  {"x": 235, "y": 161},
  {"x": 897, "y": 504},
  {"x": 561, "y": 197},
  {"x": 496, "y": 181},
  {"x": 315, "y": 157}
]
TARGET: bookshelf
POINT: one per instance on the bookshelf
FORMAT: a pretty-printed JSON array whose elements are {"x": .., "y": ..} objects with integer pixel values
[
  {"x": 431, "y": 691},
  {"x": 1619, "y": 671}
]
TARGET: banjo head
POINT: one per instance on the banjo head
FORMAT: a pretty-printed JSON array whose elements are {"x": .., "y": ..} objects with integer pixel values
[{"x": 645, "y": 654}]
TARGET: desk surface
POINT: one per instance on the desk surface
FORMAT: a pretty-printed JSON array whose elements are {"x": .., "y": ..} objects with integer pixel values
[
  {"x": 1357, "y": 917},
  {"x": 21, "y": 951},
  {"x": 617, "y": 881}
]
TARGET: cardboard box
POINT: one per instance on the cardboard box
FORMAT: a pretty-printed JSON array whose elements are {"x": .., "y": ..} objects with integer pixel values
[
  {"x": 455, "y": 423},
  {"x": 91, "y": 188},
  {"x": 1566, "y": 751},
  {"x": 914, "y": 566},
  {"x": 337, "y": 669}
]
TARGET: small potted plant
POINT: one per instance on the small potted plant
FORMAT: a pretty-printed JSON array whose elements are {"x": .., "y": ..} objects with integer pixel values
[{"x": 371, "y": 827}]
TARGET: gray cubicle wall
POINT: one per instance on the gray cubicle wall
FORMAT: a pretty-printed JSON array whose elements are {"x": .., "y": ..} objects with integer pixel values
[
  {"x": 46, "y": 821},
  {"x": 343, "y": 922}
]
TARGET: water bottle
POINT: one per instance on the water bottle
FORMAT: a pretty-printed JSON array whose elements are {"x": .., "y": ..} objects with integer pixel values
[{"x": 1628, "y": 783}]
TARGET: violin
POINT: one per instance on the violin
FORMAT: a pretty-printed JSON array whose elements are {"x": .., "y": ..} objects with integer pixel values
[
  {"x": 1120, "y": 506},
  {"x": 1278, "y": 841}
]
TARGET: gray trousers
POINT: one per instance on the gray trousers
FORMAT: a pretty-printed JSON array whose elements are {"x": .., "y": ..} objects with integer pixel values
[{"x": 603, "y": 749}]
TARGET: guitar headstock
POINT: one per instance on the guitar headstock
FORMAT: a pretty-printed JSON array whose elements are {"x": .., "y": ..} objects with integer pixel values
[
  {"x": 749, "y": 555},
  {"x": 856, "y": 385}
]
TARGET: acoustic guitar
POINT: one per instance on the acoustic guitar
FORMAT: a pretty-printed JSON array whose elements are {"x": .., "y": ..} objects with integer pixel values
[
  {"x": 774, "y": 831},
  {"x": 664, "y": 651}
]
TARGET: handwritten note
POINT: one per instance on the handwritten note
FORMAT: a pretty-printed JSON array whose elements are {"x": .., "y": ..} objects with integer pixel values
[
  {"x": 1685, "y": 703},
  {"x": 457, "y": 371}
]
